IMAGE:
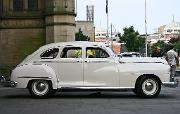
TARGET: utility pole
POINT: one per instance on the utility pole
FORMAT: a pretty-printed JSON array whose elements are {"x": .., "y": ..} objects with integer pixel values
[
  {"x": 146, "y": 29},
  {"x": 76, "y": 7},
  {"x": 107, "y": 13},
  {"x": 111, "y": 38}
]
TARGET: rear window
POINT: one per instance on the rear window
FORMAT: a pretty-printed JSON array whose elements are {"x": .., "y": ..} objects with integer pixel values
[{"x": 50, "y": 54}]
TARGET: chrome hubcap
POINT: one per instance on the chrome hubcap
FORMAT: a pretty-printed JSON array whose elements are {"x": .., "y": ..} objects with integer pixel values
[
  {"x": 148, "y": 86},
  {"x": 41, "y": 86}
]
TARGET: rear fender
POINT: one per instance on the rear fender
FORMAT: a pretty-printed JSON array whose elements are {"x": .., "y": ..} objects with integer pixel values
[{"x": 25, "y": 73}]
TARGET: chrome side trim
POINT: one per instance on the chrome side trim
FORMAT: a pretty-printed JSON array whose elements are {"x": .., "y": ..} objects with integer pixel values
[
  {"x": 91, "y": 61},
  {"x": 147, "y": 62},
  {"x": 104, "y": 88},
  {"x": 36, "y": 77},
  {"x": 40, "y": 63},
  {"x": 70, "y": 62}
]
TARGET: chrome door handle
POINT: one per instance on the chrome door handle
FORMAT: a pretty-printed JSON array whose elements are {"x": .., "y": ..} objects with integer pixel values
[
  {"x": 86, "y": 61},
  {"x": 79, "y": 61}
]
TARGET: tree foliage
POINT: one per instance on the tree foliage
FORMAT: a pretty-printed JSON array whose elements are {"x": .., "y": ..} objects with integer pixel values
[
  {"x": 177, "y": 46},
  {"x": 132, "y": 40},
  {"x": 79, "y": 36},
  {"x": 160, "y": 44},
  {"x": 165, "y": 46}
]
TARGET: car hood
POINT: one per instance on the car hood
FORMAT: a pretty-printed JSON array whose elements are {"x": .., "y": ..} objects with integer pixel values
[{"x": 142, "y": 60}]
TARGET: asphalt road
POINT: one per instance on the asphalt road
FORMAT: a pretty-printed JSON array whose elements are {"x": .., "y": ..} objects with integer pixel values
[{"x": 18, "y": 101}]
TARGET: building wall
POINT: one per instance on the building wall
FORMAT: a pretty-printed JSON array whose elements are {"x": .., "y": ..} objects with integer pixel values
[
  {"x": 87, "y": 27},
  {"x": 23, "y": 31},
  {"x": 23, "y": 43},
  {"x": 60, "y": 28},
  {"x": 169, "y": 31},
  {"x": 14, "y": 49},
  {"x": 1, "y": 6}
]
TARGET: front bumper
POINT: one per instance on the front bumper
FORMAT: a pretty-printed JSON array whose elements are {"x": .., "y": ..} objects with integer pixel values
[
  {"x": 171, "y": 84},
  {"x": 4, "y": 83}
]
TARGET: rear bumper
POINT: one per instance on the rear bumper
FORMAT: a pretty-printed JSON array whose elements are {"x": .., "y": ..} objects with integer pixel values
[
  {"x": 4, "y": 83},
  {"x": 171, "y": 84}
]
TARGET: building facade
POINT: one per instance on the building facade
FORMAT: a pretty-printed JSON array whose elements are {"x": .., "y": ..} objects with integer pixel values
[
  {"x": 112, "y": 40},
  {"x": 25, "y": 25},
  {"x": 169, "y": 31},
  {"x": 164, "y": 33},
  {"x": 87, "y": 27}
]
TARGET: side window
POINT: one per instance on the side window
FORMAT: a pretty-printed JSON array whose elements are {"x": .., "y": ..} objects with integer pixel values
[
  {"x": 50, "y": 54},
  {"x": 92, "y": 52},
  {"x": 71, "y": 52}
]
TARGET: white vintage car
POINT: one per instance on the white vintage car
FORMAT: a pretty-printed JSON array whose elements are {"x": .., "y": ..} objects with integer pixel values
[{"x": 89, "y": 66}]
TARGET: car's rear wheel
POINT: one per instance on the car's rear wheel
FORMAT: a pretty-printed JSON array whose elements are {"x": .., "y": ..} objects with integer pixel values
[
  {"x": 40, "y": 88},
  {"x": 148, "y": 87}
]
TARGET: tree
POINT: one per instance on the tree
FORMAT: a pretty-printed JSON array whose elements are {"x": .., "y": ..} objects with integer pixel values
[
  {"x": 177, "y": 46},
  {"x": 132, "y": 40},
  {"x": 79, "y": 36},
  {"x": 165, "y": 47},
  {"x": 160, "y": 44}
]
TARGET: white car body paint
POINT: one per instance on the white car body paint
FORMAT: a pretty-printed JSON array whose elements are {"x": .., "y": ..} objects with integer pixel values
[{"x": 111, "y": 72}]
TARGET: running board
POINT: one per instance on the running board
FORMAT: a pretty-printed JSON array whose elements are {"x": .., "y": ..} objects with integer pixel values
[{"x": 96, "y": 89}]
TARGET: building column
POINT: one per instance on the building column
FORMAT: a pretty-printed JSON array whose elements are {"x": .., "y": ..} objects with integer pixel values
[
  {"x": 25, "y": 5},
  {"x": 60, "y": 21},
  {"x": 1, "y": 6},
  {"x": 40, "y": 3}
]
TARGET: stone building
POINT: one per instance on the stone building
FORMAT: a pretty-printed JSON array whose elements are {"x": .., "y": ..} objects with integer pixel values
[
  {"x": 87, "y": 27},
  {"x": 25, "y": 25},
  {"x": 169, "y": 31}
]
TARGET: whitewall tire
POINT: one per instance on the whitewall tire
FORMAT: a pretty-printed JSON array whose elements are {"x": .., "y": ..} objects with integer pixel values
[
  {"x": 148, "y": 87},
  {"x": 40, "y": 88}
]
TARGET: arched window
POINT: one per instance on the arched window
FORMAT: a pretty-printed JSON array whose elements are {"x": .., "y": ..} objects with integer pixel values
[
  {"x": 32, "y": 5},
  {"x": 17, "y": 5}
]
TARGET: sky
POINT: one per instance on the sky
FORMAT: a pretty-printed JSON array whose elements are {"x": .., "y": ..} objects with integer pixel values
[{"x": 126, "y": 13}]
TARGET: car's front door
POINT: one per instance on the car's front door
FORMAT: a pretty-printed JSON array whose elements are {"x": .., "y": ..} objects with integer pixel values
[
  {"x": 71, "y": 67},
  {"x": 100, "y": 69}
]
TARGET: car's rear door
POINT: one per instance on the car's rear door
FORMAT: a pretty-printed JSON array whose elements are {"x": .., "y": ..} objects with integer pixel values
[{"x": 71, "y": 67}]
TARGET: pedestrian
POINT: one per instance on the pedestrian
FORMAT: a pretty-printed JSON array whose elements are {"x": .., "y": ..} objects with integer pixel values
[
  {"x": 157, "y": 52},
  {"x": 173, "y": 60}
]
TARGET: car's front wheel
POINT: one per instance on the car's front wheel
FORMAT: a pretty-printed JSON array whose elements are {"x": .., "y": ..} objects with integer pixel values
[
  {"x": 40, "y": 88},
  {"x": 148, "y": 87}
]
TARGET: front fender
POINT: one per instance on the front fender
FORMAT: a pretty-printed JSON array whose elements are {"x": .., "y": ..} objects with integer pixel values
[
  {"x": 25, "y": 73},
  {"x": 130, "y": 72}
]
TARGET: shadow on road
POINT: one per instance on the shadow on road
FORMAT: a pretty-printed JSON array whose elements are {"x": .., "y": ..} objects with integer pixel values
[{"x": 89, "y": 96}]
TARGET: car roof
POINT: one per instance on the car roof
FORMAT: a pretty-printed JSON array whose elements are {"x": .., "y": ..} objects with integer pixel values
[
  {"x": 75, "y": 43},
  {"x": 130, "y": 53}
]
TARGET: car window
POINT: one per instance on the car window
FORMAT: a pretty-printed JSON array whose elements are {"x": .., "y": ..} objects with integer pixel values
[
  {"x": 50, "y": 54},
  {"x": 71, "y": 52},
  {"x": 92, "y": 52}
]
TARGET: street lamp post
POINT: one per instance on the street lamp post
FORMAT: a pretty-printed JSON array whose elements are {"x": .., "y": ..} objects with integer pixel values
[
  {"x": 146, "y": 43},
  {"x": 107, "y": 13},
  {"x": 111, "y": 38}
]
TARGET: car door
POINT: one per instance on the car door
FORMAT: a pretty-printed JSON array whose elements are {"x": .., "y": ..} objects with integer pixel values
[
  {"x": 71, "y": 67},
  {"x": 100, "y": 68}
]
